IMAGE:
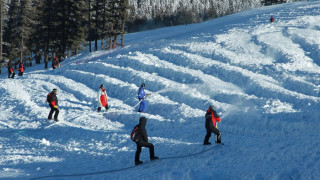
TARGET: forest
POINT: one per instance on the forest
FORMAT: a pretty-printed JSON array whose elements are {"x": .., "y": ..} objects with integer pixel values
[{"x": 42, "y": 29}]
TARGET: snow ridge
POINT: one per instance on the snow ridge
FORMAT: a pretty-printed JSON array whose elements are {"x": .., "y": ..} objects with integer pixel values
[{"x": 263, "y": 78}]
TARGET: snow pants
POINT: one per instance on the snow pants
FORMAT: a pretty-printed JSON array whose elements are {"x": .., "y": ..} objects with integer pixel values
[
  {"x": 141, "y": 144},
  {"x": 9, "y": 74},
  {"x": 208, "y": 135},
  {"x": 143, "y": 106},
  {"x": 106, "y": 107},
  {"x": 56, "y": 110}
]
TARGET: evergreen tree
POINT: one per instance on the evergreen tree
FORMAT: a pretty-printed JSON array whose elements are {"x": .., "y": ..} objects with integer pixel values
[
  {"x": 27, "y": 24},
  {"x": 2, "y": 15},
  {"x": 76, "y": 25},
  {"x": 47, "y": 26},
  {"x": 2, "y": 18},
  {"x": 12, "y": 31},
  {"x": 124, "y": 7}
]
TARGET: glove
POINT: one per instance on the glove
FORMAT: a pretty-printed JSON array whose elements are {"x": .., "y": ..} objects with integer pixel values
[{"x": 56, "y": 107}]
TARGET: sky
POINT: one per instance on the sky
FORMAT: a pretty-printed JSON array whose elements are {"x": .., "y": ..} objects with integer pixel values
[{"x": 262, "y": 77}]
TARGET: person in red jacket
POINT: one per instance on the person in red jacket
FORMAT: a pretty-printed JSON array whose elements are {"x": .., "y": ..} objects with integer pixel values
[
  {"x": 21, "y": 69},
  {"x": 212, "y": 119},
  {"x": 102, "y": 98},
  {"x": 10, "y": 69},
  {"x": 272, "y": 19},
  {"x": 55, "y": 63},
  {"x": 53, "y": 103}
]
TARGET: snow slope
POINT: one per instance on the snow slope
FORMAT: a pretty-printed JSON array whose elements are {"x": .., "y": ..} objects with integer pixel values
[{"x": 263, "y": 78}]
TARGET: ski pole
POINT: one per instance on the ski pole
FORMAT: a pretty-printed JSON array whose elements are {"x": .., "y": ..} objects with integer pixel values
[{"x": 141, "y": 100}]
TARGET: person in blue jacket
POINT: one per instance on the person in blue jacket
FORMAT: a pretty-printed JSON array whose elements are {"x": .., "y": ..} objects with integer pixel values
[{"x": 141, "y": 96}]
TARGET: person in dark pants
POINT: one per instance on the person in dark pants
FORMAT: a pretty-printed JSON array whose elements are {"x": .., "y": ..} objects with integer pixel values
[
  {"x": 53, "y": 103},
  {"x": 142, "y": 141},
  {"x": 211, "y": 125},
  {"x": 10, "y": 70}
]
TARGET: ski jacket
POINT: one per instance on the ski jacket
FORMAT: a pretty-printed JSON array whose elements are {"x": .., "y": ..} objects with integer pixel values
[
  {"x": 102, "y": 98},
  {"x": 21, "y": 67},
  {"x": 142, "y": 132},
  {"x": 141, "y": 93},
  {"x": 211, "y": 119},
  {"x": 53, "y": 99}
]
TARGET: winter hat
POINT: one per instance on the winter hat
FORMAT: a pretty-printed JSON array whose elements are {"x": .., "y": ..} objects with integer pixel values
[
  {"x": 101, "y": 85},
  {"x": 54, "y": 90},
  {"x": 143, "y": 85},
  {"x": 143, "y": 121}
]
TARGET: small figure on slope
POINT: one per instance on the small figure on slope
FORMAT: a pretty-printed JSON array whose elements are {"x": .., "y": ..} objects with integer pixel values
[
  {"x": 102, "y": 98},
  {"x": 272, "y": 19},
  {"x": 212, "y": 119},
  {"x": 141, "y": 139},
  {"x": 10, "y": 69},
  {"x": 21, "y": 69},
  {"x": 141, "y": 96},
  {"x": 55, "y": 63},
  {"x": 53, "y": 103}
]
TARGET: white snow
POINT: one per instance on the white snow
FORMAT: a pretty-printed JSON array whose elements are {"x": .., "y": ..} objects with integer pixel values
[{"x": 263, "y": 78}]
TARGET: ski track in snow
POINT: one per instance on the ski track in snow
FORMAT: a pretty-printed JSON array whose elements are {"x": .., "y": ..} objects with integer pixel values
[{"x": 263, "y": 78}]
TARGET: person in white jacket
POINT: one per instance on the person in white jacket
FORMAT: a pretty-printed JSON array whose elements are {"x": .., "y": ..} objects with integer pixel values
[{"x": 102, "y": 98}]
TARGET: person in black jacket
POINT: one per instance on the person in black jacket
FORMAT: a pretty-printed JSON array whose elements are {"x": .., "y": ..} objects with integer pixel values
[
  {"x": 212, "y": 119},
  {"x": 53, "y": 103},
  {"x": 142, "y": 141},
  {"x": 10, "y": 69}
]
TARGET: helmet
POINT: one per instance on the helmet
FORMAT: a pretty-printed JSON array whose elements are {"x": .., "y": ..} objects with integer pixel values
[
  {"x": 211, "y": 107},
  {"x": 101, "y": 85}
]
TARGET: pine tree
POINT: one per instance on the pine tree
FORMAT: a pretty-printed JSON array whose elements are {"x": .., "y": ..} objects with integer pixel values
[
  {"x": 2, "y": 14},
  {"x": 19, "y": 29},
  {"x": 76, "y": 25},
  {"x": 124, "y": 7},
  {"x": 12, "y": 31},
  {"x": 27, "y": 21},
  {"x": 47, "y": 27},
  {"x": 2, "y": 17}
]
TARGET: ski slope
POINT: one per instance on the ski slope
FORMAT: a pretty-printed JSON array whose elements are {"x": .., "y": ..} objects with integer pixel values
[{"x": 263, "y": 78}]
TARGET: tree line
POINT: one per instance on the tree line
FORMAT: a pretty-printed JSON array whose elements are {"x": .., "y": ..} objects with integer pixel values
[{"x": 41, "y": 29}]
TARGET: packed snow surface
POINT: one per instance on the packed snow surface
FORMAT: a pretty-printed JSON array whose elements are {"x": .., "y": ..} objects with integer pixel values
[{"x": 262, "y": 77}]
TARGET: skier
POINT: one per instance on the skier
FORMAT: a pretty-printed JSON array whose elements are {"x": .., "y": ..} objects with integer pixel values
[
  {"x": 211, "y": 125},
  {"x": 21, "y": 69},
  {"x": 53, "y": 103},
  {"x": 55, "y": 63},
  {"x": 142, "y": 141},
  {"x": 10, "y": 69},
  {"x": 102, "y": 98},
  {"x": 271, "y": 19},
  {"x": 141, "y": 96}
]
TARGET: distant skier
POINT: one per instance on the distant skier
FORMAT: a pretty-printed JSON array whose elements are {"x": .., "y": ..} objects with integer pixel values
[
  {"x": 211, "y": 125},
  {"x": 141, "y": 140},
  {"x": 141, "y": 96},
  {"x": 55, "y": 63},
  {"x": 53, "y": 103},
  {"x": 272, "y": 19},
  {"x": 102, "y": 98},
  {"x": 21, "y": 69},
  {"x": 10, "y": 70}
]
